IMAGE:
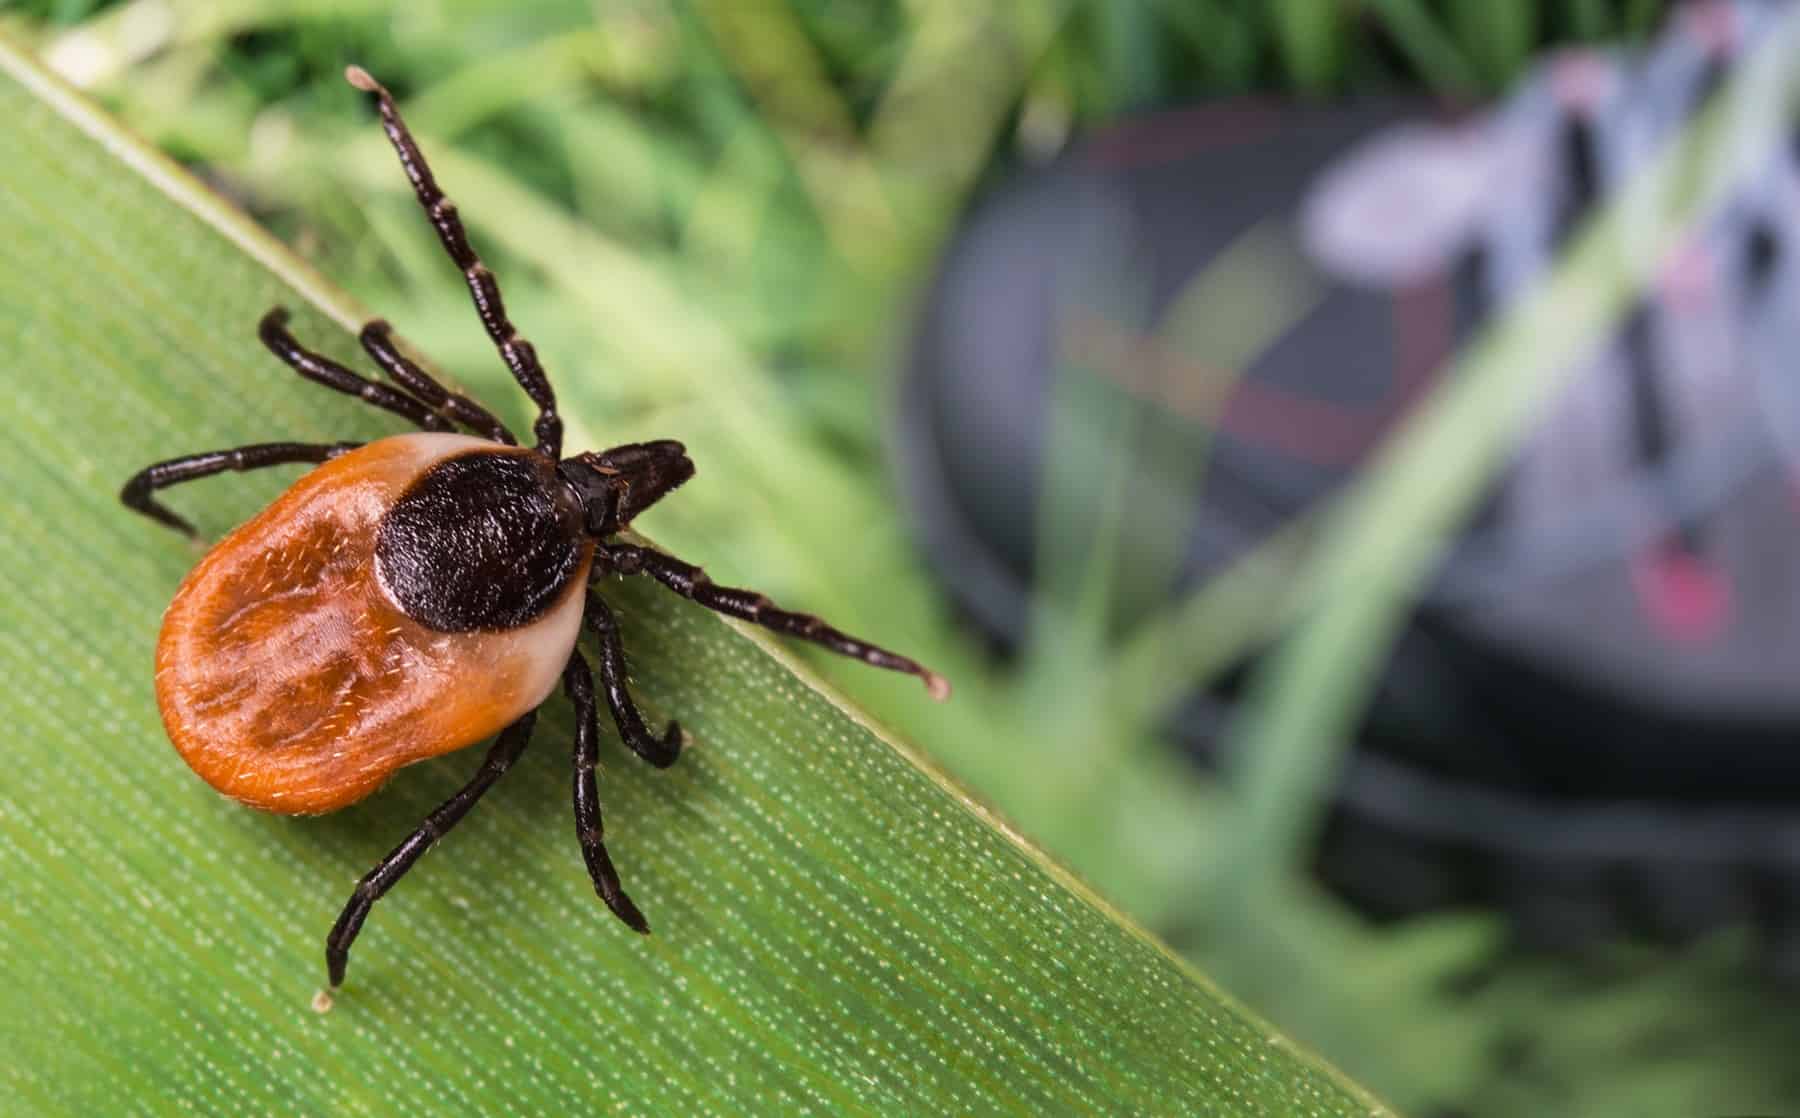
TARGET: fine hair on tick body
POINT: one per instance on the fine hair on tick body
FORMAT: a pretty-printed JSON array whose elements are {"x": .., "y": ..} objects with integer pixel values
[{"x": 417, "y": 594}]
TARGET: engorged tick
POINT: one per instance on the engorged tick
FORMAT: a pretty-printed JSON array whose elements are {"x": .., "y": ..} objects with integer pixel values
[{"x": 417, "y": 594}]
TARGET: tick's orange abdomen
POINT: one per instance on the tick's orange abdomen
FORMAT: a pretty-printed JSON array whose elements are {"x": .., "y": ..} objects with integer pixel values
[{"x": 289, "y": 679}]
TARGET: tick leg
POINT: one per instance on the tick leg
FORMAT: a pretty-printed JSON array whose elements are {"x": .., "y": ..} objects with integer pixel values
[
  {"x": 377, "y": 339},
  {"x": 323, "y": 370},
  {"x": 518, "y": 353},
  {"x": 137, "y": 492},
  {"x": 378, "y": 881},
  {"x": 691, "y": 582},
  {"x": 580, "y": 686},
  {"x": 660, "y": 752}
]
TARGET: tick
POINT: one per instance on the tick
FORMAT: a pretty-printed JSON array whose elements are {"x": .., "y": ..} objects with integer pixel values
[{"x": 420, "y": 593}]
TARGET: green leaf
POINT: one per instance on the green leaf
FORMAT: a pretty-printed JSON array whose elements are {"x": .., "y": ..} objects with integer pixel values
[
  {"x": 838, "y": 928},
  {"x": 1434, "y": 52},
  {"x": 1500, "y": 37},
  {"x": 1310, "y": 37}
]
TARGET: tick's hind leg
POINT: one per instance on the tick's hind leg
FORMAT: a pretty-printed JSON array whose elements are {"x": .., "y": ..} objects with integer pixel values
[
  {"x": 691, "y": 582},
  {"x": 580, "y": 686},
  {"x": 378, "y": 881},
  {"x": 378, "y": 340},
  {"x": 323, "y": 370},
  {"x": 137, "y": 492},
  {"x": 660, "y": 752}
]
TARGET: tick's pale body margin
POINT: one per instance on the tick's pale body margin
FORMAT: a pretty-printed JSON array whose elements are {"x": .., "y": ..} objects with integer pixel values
[{"x": 420, "y": 593}]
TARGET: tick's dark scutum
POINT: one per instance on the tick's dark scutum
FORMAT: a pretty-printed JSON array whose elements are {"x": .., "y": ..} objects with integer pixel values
[{"x": 482, "y": 541}]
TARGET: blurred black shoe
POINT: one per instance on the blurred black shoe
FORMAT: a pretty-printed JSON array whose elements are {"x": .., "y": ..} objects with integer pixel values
[{"x": 1594, "y": 721}]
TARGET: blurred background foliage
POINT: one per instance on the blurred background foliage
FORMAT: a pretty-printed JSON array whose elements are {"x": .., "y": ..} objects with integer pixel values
[{"x": 714, "y": 218}]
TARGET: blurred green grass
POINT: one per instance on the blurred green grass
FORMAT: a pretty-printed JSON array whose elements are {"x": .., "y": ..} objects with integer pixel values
[
  {"x": 838, "y": 928},
  {"x": 711, "y": 216}
]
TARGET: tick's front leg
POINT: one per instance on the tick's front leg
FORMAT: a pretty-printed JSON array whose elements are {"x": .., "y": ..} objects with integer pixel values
[{"x": 691, "y": 582}]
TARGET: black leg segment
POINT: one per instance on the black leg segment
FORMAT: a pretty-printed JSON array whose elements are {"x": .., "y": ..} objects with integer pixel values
[
  {"x": 660, "y": 752},
  {"x": 691, "y": 582},
  {"x": 518, "y": 353},
  {"x": 137, "y": 492},
  {"x": 378, "y": 340},
  {"x": 580, "y": 686},
  {"x": 378, "y": 881},
  {"x": 323, "y": 370}
]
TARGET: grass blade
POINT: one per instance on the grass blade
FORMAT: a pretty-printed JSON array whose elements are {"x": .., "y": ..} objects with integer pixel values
[{"x": 840, "y": 929}]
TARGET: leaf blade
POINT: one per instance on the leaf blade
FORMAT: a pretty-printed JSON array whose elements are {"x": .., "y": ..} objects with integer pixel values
[{"x": 838, "y": 926}]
